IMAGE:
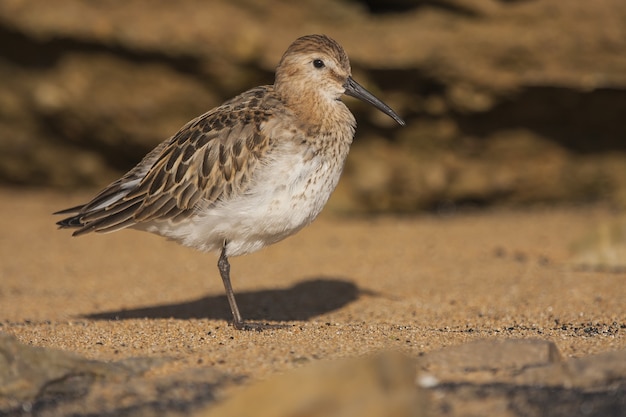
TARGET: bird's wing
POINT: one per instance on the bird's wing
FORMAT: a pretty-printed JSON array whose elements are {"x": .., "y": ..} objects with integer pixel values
[{"x": 210, "y": 158}]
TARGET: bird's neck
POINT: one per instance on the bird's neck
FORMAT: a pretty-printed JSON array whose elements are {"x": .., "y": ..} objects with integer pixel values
[{"x": 319, "y": 114}]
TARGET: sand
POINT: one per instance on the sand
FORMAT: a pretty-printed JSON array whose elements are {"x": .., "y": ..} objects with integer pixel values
[{"x": 342, "y": 287}]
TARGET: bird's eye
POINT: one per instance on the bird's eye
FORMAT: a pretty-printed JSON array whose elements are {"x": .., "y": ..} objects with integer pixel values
[{"x": 318, "y": 63}]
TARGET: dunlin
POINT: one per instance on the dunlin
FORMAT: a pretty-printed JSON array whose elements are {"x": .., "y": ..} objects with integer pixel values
[{"x": 248, "y": 173}]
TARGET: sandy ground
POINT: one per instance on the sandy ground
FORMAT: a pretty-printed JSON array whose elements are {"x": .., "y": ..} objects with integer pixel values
[{"x": 344, "y": 286}]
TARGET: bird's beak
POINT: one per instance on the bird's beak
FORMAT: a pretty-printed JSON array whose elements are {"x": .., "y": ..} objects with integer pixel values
[{"x": 354, "y": 89}]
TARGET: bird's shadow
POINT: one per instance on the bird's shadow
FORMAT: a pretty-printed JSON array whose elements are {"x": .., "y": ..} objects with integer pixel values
[{"x": 302, "y": 301}]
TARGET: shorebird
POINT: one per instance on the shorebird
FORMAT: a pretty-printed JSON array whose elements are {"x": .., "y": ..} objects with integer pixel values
[{"x": 248, "y": 173}]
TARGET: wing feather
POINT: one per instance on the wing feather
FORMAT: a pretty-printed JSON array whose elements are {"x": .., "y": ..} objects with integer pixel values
[{"x": 210, "y": 158}]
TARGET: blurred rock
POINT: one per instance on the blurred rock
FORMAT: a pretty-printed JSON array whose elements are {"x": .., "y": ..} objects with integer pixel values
[
  {"x": 381, "y": 386},
  {"x": 602, "y": 249},
  {"x": 489, "y": 360},
  {"x": 517, "y": 377},
  {"x": 48, "y": 382},
  {"x": 523, "y": 378},
  {"x": 56, "y": 383},
  {"x": 27, "y": 373},
  {"x": 507, "y": 102},
  {"x": 603, "y": 371}
]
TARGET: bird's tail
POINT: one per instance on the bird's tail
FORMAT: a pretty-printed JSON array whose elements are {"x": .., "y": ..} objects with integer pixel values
[{"x": 71, "y": 222}]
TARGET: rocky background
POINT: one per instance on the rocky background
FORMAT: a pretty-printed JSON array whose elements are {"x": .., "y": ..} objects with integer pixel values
[{"x": 507, "y": 102}]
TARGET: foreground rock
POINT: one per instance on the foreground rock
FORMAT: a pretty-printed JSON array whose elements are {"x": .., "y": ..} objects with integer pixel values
[
  {"x": 497, "y": 378},
  {"x": 48, "y": 382},
  {"x": 381, "y": 386},
  {"x": 497, "y": 113},
  {"x": 603, "y": 248},
  {"x": 524, "y": 378}
]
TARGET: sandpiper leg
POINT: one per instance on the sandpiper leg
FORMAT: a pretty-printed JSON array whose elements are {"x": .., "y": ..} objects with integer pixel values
[{"x": 224, "y": 268}]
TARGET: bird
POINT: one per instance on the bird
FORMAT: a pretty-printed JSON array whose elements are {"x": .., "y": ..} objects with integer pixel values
[{"x": 248, "y": 173}]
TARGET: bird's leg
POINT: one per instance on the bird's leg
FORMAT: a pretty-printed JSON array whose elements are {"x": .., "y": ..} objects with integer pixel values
[{"x": 224, "y": 268}]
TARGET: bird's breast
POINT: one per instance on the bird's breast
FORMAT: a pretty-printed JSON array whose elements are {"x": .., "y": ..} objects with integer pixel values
[
  {"x": 287, "y": 191},
  {"x": 297, "y": 181}
]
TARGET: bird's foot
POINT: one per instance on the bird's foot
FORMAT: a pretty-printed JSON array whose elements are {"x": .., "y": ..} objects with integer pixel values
[{"x": 258, "y": 326}]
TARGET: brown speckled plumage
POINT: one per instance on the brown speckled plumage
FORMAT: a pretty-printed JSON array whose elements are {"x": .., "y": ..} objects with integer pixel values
[{"x": 248, "y": 173}]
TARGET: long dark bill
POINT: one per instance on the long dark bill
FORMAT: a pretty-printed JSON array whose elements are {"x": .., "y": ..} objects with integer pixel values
[{"x": 355, "y": 89}]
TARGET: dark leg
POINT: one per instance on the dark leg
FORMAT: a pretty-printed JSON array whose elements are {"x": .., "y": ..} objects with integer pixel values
[{"x": 224, "y": 268}]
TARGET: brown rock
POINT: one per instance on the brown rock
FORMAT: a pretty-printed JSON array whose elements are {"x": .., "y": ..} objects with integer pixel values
[
  {"x": 602, "y": 249},
  {"x": 488, "y": 360},
  {"x": 591, "y": 372},
  {"x": 383, "y": 385},
  {"x": 52, "y": 382},
  {"x": 29, "y": 372},
  {"x": 497, "y": 113},
  {"x": 523, "y": 377}
]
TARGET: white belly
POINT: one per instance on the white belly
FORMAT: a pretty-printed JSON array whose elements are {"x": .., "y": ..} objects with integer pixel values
[{"x": 286, "y": 194}]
